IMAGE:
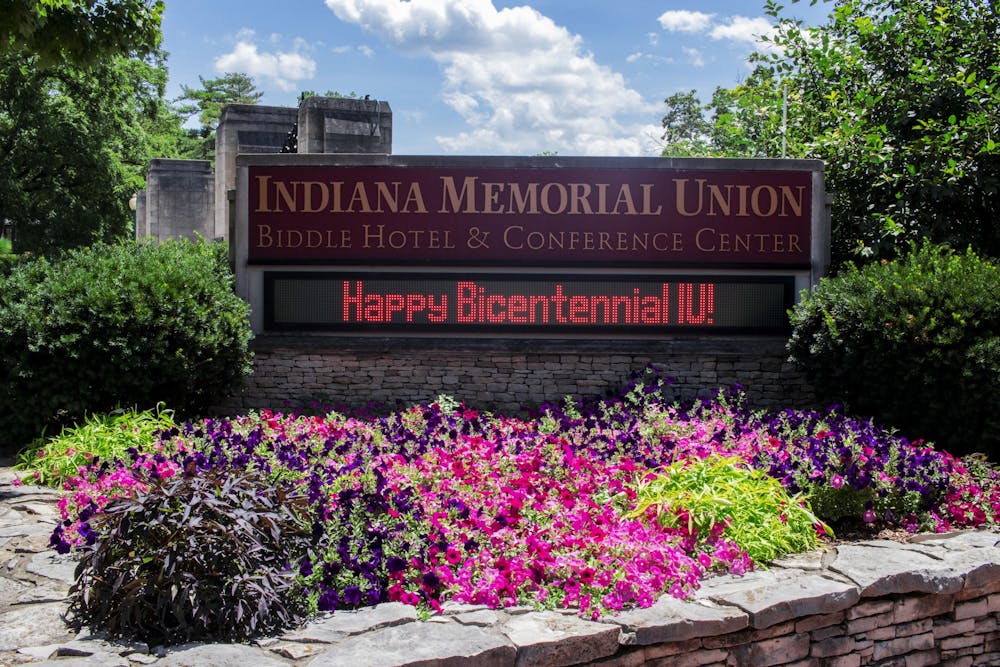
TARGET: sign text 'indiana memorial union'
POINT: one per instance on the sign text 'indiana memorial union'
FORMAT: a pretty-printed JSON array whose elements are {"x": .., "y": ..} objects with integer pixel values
[{"x": 545, "y": 246}]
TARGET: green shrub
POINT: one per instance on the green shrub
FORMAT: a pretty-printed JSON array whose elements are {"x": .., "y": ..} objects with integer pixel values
[
  {"x": 100, "y": 438},
  {"x": 7, "y": 258},
  {"x": 755, "y": 510},
  {"x": 205, "y": 557},
  {"x": 132, "y": 324},
  {"x": 914, "y": 343}
]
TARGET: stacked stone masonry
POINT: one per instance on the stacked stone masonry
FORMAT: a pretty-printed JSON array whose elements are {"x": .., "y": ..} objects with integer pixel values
[
  {"x": 934, "y": 600},
  {"x": 508, "y": 375}
]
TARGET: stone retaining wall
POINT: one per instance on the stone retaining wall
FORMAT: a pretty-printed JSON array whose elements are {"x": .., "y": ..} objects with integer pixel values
[
  {"x": 936, "y": 602},
  {"x": 932, "y": 602},
  {"x": 508, "y": 374}
]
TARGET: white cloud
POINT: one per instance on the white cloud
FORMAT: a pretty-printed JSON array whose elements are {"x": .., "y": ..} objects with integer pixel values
[
  {"x": 739, "y": 29},
  {"x": 633, "y": 57},
  {"x": 695, "y": 57},
  {"x": 521, "y": 83},
  {"x": 683, "y": 20},
  {"x": 366, "y": 51},
  {"x": 742, "y": 29},
  {"x": 284, "y": 69}
]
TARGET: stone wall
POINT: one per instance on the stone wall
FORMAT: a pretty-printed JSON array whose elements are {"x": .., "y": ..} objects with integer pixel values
[
  {"x": 508, "y": 374},
  {"x": 933, "y": 601}
]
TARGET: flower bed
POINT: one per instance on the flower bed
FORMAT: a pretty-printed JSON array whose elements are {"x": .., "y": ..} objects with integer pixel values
[{"x": 568, "y": 508}]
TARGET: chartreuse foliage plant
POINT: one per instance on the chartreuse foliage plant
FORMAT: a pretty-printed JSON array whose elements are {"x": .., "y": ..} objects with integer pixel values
[
  {"x": 108, "y": 326},
  {"x": 721, "y": 495},
  {"x": 915, "y": 342},
  {"x": 105, "y": 437},
  {"x": 594, "y": 505}
]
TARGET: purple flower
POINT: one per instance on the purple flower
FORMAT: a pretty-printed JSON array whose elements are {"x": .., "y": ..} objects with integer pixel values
[
  {"x": 327, "y": 601},
  {"x": 352, "y": 596}
]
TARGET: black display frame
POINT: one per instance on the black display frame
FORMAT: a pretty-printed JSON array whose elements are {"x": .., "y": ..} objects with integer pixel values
[{"x": 602, "y": 331}]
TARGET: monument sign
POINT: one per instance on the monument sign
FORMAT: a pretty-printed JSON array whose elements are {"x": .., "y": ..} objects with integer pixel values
[{"x": 544, "y": 246}]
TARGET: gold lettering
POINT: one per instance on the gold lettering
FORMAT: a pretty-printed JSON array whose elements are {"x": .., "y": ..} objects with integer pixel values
[
  {"x": 755, "y": 201},
  {"x": 338, "y": 186},
  {"x": 578, "y": 199},
  {"x": 281, "y": 189},
  {"x": 647, "y": 197},
  {"x": 390, "y": 199},
  {"x": 703, "y": 246},
  {"x": 262, "y": 197},
  {"x": 563, "y": 198},
  {"x": 491, "y": 195},
  {"x": 681, "y": 191},
  {"x": 264, "y": 239},
  {"x": 602, "y": 198},
  {"x": 716, "y": 197},
  {"x": 788, "y": 197},
  {"x": 415, "y": 199},
  {"x": 360, "y": 197},
  {"x": 625, "y": 197},
  {"x": 526, "y": 202},
  {"x": 452, "y": 196},
  {"x": 307, "y": 188}
]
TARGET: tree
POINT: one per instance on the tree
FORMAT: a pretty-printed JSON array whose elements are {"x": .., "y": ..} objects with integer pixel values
[
  {"x": 901, "y": 99},
  {"x": 685, "y": 130},
  {"x": 207, "y": 102},
  {"x": 79, "y": 32},
  {"x": 74, "y": 146}
]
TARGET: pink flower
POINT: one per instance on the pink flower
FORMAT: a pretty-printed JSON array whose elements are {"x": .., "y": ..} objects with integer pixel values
[{"x": 836, "y": 481}]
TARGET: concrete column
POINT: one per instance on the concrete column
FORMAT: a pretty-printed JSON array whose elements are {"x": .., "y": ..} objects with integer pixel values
[
  {"x": 141, "y": 219},
  {"x": 179, "y": 200},
  {"x": 342, "y": 125},
  {"x": 245, "y": 128}
]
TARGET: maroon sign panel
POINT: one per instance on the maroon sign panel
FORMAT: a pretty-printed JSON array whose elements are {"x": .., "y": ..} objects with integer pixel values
[{"x": 548, "y": 216}]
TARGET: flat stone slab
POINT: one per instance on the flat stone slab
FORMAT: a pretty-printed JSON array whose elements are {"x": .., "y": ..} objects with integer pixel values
[
  {"x": 979, "y": 567},
  {"x": 421, "y": 645},
  {"x": 219, "y": 655},
  {"x": 673, "y": 620},
  {"x": 879, "y": 570},
  {"x": 774, "y": 596},
  {"x": 556, "y": 640},
  {"x": 966, "y": 539},
  {"x": 810, "y": 561},
  {"x": 341, "y": 624},
  {"x": 54, "y": 566},
  {"x": 96, "y": 660},
  {"x": 34, "y": 625},
  {"x": 480, "y": 617}
]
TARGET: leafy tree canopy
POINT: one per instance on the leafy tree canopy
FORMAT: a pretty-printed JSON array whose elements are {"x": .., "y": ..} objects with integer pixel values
[
  {"x": 75, "y": 144},
  {"x": 79, "y": 32},
  {"x": 901, "y": 99},
  {"x": 207, "y": 102}
]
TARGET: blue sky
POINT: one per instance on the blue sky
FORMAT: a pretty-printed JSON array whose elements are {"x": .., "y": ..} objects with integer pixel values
[{"x": 578, "y": 77}]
